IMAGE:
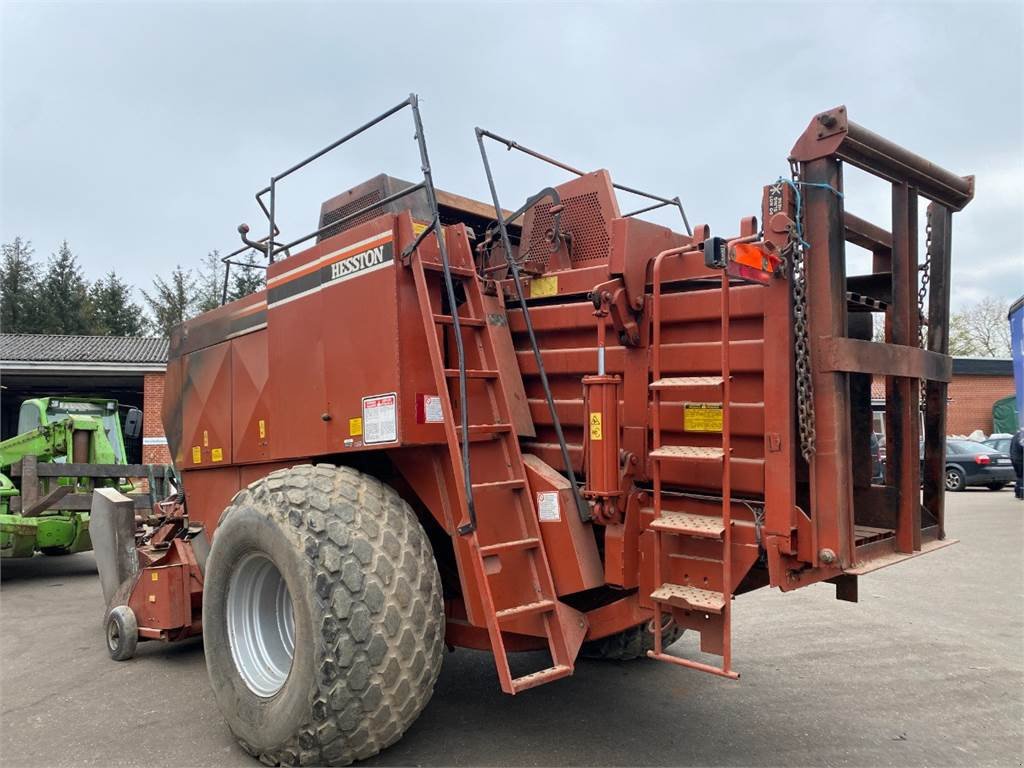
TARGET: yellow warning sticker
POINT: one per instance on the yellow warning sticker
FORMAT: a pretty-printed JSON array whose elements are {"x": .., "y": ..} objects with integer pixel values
[
  {"x": 155, "y": 576},
  {"x": 543, "y": 286},
  {"x": 217, "y": 454},
  {"x": 355, "y": 427},
  {"x": 206, "y": 439},
  {"x": 418, "y": 229},
  {"x": 702, "y": 417},
  {"x": 263, "y": 429},
  {"x": 595, "y": 426},
  {"x": 197, "y": 455}
]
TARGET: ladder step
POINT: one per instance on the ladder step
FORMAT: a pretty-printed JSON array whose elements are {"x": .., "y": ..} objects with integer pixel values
[
  {"x": 540, "y": 677},
  {"x": 692, "y": 382},
  {"x": 689, "y": 598},
  {"x": 471, "y": 373},
  {"x": 687, "y": 524},
  {"x": 456, "y": 271},
  {"x": 484, "y": 430},
  {"x": 541, "y": 606},
  {"x": 472, "y": 322},
  {"x": 687, "y": 452},
  {"x": 493, "y": 549},
  {"x": 498, "y": 484}
]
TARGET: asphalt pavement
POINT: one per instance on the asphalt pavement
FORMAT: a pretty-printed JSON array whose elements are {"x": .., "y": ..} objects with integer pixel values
[{"x": 928, "y": 669}]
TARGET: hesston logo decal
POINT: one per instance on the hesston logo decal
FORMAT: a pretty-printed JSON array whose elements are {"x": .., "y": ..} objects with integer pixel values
[
  {"x": 369, "y": 255},
  {"x": 361, "y": 261}
]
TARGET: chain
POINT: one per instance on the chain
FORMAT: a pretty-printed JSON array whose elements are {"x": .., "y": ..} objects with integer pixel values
[
  {"x": 804, "y": 386},
  {"x": 922, "y": 291}
]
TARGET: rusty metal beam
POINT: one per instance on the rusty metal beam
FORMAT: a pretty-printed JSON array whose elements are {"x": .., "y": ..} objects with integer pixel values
[
  {"x": 832, "y": 133},
  {"x": 831, "y": 474},
  {"x": 938, "y": 343},
  {"x": 858, "y": 356},
  {"x": 865, "y": 234},
  {"x": 905, "y": 319}
]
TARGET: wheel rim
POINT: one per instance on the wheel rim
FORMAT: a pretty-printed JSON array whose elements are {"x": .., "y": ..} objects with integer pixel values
[
  {"x": 261, "y": 624},
  {"x": 952, "y": 480},
  {"x": 113, "y": 635}
]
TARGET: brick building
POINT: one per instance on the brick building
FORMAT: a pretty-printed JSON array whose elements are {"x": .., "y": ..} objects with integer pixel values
[
  {"x": 977, "y": 383},
  {"x": 129, "y": 370}
]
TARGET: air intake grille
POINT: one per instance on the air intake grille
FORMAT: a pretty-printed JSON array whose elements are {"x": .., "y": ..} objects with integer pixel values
[
  {"x": 351, "y": 207},
  {"x": 583, "y": 218}
]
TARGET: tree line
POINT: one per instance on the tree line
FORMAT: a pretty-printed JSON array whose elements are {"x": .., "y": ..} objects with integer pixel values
[{"x": 57, "y": 297}]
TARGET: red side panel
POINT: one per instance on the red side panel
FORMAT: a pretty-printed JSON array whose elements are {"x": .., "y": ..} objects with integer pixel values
[
  {"x": 252, "y": 429},
  {"x": 206, "y": 412}
]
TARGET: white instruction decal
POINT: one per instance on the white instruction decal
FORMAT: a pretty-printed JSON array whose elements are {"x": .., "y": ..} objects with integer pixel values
[
  {"x": 380, "y": 423},
  {"x": 547, "y": 507},
  {"x": 432, "y": 413}
]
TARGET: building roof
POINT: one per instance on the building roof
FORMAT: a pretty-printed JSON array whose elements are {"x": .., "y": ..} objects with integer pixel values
[
  {"x": 23, "y": 351},
  {"x": 982, "y": 366}
]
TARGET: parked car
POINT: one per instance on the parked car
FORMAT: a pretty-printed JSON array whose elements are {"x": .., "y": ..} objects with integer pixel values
[
  {"x": 877, "y": 460},
  {"x": 1000, "y": 443},
  {"x": 969, "y": 463}
]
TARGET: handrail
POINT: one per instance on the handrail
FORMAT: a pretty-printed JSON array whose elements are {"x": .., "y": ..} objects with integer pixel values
[
  {"x": 582, "y": 508},
  {"x": 662, "y": 201},
  {"x": 427, "y": 186}
]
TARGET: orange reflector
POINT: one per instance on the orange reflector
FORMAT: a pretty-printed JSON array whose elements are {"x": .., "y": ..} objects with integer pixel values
[{"x": 753, "y": 262}]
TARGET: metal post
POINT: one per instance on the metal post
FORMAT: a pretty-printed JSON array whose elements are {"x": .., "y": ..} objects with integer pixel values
[
  {"x": 831, "y": 477},
  {"x": 904, "y": 446},
  {"x": 941, "y": 219},
  {"x": 270, "y": 234}
]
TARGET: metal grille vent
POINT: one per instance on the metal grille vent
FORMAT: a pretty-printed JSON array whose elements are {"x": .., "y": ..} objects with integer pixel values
[
  {"x": 583, "y": 217},
  {"x": 351, "y": 207}
]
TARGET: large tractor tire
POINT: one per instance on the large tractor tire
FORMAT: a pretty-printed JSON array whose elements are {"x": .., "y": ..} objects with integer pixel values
[
  {"x": 630, "y": 644},
  {"x": 322, "y": 616}
]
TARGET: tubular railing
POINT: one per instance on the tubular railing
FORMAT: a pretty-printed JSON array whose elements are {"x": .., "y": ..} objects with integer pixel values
[{"x": 271, "y": 249}]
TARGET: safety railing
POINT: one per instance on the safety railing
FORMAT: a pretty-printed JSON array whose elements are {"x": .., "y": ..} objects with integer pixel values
[{"x": 267, "y": 200}]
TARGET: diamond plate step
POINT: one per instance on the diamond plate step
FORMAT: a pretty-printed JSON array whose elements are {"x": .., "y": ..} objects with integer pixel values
[
  {"x": 689, "y": 598},
  {"x": 687, "y": 524},
  {"x": 687, "y": 452},
  {"x": 679, "y": 382},
  {"x": 540, "y": 677}
]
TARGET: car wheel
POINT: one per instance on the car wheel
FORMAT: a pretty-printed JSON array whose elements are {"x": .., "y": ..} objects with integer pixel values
[
  {"x": 955, "y": 480},
  {"x": 996, "y": 486}
]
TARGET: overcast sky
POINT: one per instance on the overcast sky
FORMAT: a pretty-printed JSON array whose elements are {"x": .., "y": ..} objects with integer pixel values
[{"x": 140, "y": 131}]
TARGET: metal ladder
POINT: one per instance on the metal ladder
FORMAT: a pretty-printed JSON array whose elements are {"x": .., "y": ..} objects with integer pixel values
[
  {"x": 506, "y": 496},
  {"x": 687, "y": 597}
]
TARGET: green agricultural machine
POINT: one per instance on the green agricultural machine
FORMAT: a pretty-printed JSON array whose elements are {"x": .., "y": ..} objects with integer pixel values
[{"x": 65, "y": 448}]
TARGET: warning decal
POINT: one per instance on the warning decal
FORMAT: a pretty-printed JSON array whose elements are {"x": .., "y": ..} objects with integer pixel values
[
  {"x": 380, "y": 422},
  {"x": 432, "y": 412},
  {"x": 596, "y": 432},
  {"x": 547, "y": 507},
  {"x": 702, "y": 417},
  {"x": 543, "y": 286}
]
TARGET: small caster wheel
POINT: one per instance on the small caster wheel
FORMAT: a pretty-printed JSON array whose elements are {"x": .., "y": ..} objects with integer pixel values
[{"x": 122, "y": 633}]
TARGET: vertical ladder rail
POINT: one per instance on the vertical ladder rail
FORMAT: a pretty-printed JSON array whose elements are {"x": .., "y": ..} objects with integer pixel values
[
  {"x": 726, "y": 451},
  {"x": 542, "y": 601},
  {"x": 469, "y": 525},
  {"x": 656, "y": 419},
  {"x": 726, "y": 480}
]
